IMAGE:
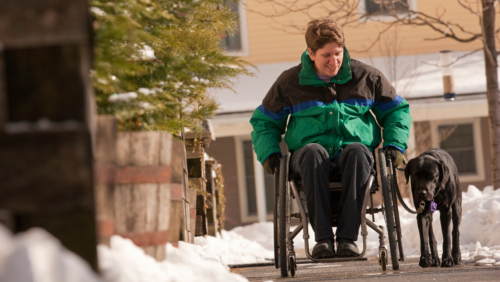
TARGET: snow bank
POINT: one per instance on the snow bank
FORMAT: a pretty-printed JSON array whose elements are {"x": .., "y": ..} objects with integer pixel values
[
  {"x": 36, "y": 256},
  {"x": 232, "y": 248},
  {"x": 124, "y": 262}
]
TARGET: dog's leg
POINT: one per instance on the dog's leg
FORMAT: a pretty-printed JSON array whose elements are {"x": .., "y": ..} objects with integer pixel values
[
  {"x": 445, "y": 216},
  {"x": 456, "y": 217},
  {"x": 433, "y": 244},
  {"x": 423, "y": 229}
]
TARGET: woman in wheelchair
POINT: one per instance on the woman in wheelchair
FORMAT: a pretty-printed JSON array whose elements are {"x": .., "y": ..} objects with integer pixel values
[{"x": 329, "y": 106}]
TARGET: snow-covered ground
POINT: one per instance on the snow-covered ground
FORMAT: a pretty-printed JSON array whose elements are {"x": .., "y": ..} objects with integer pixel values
[{"x": 36, "y": 256}]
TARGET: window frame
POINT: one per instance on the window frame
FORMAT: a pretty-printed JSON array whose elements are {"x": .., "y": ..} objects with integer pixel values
[
  {"x": 243, "y": 26},
  {"x": 242, "y": 187},
  {"x": 478, "y": 145},
  {"x": 379, "y": 18}
]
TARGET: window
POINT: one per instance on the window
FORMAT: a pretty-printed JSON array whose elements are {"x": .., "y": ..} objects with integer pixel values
[
  {"x": 382, "y": 10},
  {"x": 458, "y": 141},
  {"x": 382, "y": 7},
  {"x": 462, "y": 140},
  {"x": 237, "y": 44}
]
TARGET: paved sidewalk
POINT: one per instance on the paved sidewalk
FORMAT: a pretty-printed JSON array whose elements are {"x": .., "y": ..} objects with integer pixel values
[{"x": 370, "y": 270}]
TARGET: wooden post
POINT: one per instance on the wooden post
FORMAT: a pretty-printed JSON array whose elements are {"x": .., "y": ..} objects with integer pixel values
[
  {"x": 212, "y": 189},
  {"x": 197, "y": 192},
  {"x": 196, "y": 173},
  {"x": 46, "y": 120}
]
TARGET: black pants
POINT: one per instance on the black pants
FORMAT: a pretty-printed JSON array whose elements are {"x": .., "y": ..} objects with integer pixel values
[{"x": 313, "y": 163}]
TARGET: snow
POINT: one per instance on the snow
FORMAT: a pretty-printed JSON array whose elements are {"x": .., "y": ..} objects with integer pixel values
[
  {"x": 232, "y": 248},
  {"x": 36, "y": 256},
  {"x": 122, "y": 97},
  {"x": 97, "y": 11},
  {"x": 42, "y": 124},
  {"x": 124, "y": 262}
]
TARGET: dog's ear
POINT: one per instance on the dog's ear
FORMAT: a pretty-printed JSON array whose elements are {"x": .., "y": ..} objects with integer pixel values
[
  {"x": 444, "y": 174},
  {"x": 407, "y": 171}
]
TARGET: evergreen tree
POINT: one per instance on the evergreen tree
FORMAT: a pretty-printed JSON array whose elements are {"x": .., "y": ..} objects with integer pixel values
[{"x": 155, "y": 60}]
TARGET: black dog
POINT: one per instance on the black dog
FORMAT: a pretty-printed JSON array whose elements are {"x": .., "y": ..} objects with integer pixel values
[{"x": 434, "y": 178}]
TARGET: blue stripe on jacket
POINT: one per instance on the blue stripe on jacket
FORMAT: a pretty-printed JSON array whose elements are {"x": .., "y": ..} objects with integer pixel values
[
  {"x": 315, "y": 103},
  {"x": 276, "y": 116},
  {"x": 389, "y": 105},
  {"x": 359, "y": 102},
  {"x": 307, "y": 105},
  {"x": 292, "y": 110}
]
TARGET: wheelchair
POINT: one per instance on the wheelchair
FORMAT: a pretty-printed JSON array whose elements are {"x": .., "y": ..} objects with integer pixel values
[{"x": 287, "y": 188}]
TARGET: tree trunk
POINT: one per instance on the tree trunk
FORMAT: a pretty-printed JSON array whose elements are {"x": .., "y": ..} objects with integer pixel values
[{"x": 490, "y": 55}]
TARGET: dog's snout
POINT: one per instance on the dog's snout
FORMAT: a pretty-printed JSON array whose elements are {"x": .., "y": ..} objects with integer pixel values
[{"x": 422, "y": 193}]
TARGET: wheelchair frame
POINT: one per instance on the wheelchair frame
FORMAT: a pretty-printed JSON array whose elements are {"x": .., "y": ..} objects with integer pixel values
[{"x": 285, "y": 258}]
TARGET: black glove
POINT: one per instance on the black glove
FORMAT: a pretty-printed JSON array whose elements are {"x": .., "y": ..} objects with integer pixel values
[
  {"x": 395, "y": 155},
  {"x": 272, "y": 163}
]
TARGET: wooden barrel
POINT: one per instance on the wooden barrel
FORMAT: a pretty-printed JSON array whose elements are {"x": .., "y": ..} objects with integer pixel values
[{"x": 142, "y": 196}]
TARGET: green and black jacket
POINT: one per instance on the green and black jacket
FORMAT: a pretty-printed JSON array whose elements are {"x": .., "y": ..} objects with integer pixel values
[{"x": 332, "y": 114}]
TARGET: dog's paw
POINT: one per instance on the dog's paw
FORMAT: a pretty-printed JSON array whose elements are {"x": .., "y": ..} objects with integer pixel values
[
  {"x": 447, "y": 262},
  {"x": 435, "y": 261},
  {"x": 457, "y": 258},
  {"x": 425, "y": 261}
]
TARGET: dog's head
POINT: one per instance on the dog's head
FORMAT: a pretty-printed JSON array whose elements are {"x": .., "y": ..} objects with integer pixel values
[{"x": 428, "y": 176}]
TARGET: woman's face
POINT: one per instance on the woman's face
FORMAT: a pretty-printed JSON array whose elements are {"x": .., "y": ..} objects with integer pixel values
[{"x": 327, "y": 60}]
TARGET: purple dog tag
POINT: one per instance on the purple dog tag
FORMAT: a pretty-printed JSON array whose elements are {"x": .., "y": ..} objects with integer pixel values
[{"x": 433, "y": 206}]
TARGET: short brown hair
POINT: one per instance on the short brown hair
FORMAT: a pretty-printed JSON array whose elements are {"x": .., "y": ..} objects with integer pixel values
[{"x": 322, "y": 31}]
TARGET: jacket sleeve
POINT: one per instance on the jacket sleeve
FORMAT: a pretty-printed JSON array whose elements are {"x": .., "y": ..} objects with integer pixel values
[
  {"x": 269, "y": 122},
  {"x": 393, "y": 114}
]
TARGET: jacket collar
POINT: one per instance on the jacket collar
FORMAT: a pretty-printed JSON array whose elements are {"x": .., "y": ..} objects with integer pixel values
[{"x": 307, "y": 76}]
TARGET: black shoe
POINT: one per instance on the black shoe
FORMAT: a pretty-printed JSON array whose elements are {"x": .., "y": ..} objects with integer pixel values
[
  {"x": 346, "y": 248},
  {"x": 323, "y": 249}
]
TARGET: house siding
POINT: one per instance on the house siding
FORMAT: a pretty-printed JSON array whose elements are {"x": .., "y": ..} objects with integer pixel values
[{"x": 269, "y": 43}]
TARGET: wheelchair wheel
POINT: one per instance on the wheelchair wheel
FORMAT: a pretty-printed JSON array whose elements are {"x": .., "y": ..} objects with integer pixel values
[
  {"x": 388, "y": 210},
  {"x": 394, "y": 183},
  {"x": 283, "y": 217},
  {"x": 275, "y": 220}
]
